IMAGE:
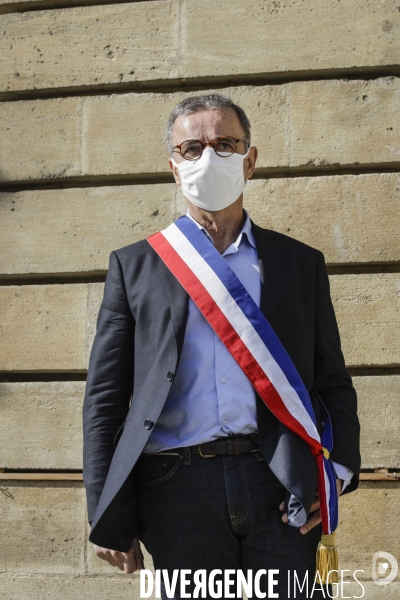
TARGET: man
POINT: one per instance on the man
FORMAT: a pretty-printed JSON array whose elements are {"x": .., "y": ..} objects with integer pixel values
[{"x": 180, "y": 451}]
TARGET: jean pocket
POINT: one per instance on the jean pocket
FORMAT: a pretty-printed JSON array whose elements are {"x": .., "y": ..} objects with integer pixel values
[{"x": 154, "y": 469}]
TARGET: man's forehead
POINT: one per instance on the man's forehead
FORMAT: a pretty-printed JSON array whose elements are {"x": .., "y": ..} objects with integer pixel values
[{"x": 204, "y": 119}]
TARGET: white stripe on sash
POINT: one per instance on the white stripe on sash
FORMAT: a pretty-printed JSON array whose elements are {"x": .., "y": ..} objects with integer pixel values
[{"x": 242, "y": 326}]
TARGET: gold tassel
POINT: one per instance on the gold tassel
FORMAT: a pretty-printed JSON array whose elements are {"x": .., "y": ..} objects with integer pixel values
[{"x": 327, "y": 559}]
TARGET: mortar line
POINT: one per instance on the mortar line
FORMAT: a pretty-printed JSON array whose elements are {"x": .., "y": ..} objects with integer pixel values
[
  {"x": 289, "y": 172},
  {"x": 88, "y": 278},
  {"x": 22, "y": 7},
  {"x": 187, "y": 84},
  {"x": 54, "y": 377}
]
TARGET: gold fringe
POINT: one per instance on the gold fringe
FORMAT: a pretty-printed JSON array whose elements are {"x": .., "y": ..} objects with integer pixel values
[
  {"x": 327, "y": 559},
  {"x": 326, "y": 452}
]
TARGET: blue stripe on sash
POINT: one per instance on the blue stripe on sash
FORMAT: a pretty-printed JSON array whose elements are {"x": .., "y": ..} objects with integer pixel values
[
  {"x": 327, "y": 434},
  {"x": 250, "y": 309}
]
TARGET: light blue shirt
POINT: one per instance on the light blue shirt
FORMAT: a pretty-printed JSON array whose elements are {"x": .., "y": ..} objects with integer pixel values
[{"x": 211, "y": 397}]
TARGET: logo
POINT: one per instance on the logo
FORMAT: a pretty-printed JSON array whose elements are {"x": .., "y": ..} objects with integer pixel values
[{"x": 383, "y": 575}]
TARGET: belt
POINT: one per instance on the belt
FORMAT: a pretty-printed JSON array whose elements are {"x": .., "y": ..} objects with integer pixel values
[{"x": 227, "y": 445}]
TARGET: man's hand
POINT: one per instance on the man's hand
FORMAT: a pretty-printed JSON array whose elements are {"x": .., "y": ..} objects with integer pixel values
[
  {"x": 125, "y": 561},
  {"x": 315, "y": 518}
]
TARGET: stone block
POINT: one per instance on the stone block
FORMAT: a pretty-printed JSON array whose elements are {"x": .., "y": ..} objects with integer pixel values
[
  {"x": 301, "y": 124},
  {"x": 41, "y": 425},
  {"x": 379, "y": 413},
  {"x": 40, "y": 139},
  {"x": 346, "y": 122},
  {"x": 282, "y": 37},
  {"x": 111, "y": 44},
  {"x": 51, "y": 327},
  {"x": 123, "y": 587},
  {"x": 47, "y": 327},
  {"x": 352, "y": 219},
  {"x": 366, "y": 308},
  {"x": 368, "y": 522},
  {"x": 173, "y": 41},
  {"x": 42, "y": 527},
  {"x": 82, "y": 226}
]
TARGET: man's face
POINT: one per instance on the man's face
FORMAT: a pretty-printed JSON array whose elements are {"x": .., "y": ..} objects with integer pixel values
[{"x": 207, "y": 125}]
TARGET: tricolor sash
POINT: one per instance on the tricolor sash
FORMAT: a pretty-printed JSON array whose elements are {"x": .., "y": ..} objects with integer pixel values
[{"x": 246, "y": 333}]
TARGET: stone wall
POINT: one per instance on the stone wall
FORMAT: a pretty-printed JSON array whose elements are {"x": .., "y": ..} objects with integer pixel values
[{"x": 85, "y": 90}]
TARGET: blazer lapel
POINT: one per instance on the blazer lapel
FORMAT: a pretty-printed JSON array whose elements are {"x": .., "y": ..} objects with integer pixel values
[
  {"x": 178, "y": 301},
  {"x": 270, "y": 262}
]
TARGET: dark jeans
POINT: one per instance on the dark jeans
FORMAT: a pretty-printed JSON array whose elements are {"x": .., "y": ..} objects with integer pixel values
[{"x": 222, "y": 513}]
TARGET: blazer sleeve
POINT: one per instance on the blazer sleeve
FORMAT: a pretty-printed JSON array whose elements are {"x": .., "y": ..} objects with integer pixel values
[
  {"x": 332, "y": 381},
  {"x": 109, "y": 383}
]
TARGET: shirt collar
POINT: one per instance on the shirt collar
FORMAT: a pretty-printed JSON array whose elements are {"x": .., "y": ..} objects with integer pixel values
[{"x": 246, "y": 229}]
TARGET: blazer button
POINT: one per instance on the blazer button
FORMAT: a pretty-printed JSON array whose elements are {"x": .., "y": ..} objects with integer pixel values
[
  {"x": 148, "y": 424},
  {"x": 170, "y": 376}
]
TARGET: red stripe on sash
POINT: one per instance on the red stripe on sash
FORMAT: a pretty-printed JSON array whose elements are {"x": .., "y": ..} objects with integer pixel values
[{"x": 229, "y": 337}]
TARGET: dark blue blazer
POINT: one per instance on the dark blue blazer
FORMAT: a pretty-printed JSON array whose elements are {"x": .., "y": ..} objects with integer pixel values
[{"x": 140, "y": 331}]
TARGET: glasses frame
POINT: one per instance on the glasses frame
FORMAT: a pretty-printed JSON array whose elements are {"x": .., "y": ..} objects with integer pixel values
[{"x": 211, "y": 144}]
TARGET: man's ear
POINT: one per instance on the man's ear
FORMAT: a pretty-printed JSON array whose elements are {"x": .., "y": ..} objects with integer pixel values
[
  {"x": 175, "y": 172},
  {"x": 250, "y": 163}
]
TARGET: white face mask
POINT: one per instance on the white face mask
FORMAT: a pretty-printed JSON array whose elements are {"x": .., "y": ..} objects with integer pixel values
[{"x": 212, "y": 182}]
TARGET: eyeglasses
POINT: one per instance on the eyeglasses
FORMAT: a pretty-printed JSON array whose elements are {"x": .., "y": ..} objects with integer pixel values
[{"x": 223, "y": 146}]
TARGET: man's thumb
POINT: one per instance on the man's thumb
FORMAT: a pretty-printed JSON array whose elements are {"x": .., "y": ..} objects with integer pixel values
[{"x": 129, "y": 564}]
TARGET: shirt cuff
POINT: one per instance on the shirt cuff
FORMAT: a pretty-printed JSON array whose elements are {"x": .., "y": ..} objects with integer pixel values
[{"x": 343, "y": 473}]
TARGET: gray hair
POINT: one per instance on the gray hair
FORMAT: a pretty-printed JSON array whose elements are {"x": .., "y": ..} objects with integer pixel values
[{"x": 208, "y": 102}]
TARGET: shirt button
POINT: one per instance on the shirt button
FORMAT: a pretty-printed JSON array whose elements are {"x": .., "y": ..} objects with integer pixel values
[
  {"x": 170, "y": 376},
  {"x": 148, "y": 424},
  {"x": 223, "y": 380},
  {"x": 225, "y": 422}
]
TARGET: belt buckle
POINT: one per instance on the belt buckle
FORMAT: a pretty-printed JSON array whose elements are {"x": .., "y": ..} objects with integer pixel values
[{"x": 205, "y": 455}]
